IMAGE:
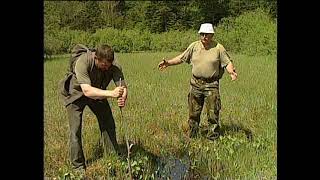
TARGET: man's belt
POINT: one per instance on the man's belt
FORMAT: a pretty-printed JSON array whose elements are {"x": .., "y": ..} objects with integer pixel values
[{"x": 207, "y": 80}]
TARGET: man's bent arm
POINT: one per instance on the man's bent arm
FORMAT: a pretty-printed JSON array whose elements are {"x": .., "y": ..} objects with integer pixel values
[{"x": 96, "y": 93}]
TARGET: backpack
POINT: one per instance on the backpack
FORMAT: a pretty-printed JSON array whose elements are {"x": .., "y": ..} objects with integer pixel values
[{"x": 76, "y": 52}]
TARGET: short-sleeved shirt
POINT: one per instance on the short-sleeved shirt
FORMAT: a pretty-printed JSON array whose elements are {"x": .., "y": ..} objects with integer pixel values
[
  {"x": 87, "y": 72},
  {"x": 206, "y": 63}
]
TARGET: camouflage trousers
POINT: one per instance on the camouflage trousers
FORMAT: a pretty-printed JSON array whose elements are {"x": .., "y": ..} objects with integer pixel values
[
  {"x": 202, "y": 93},
  {"x": 101, "y": 109}
]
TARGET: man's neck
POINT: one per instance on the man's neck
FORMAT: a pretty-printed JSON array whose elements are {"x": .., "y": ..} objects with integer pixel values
[
  {"x": 210, "y": 44},
  {"x": 207, "y": 45}
]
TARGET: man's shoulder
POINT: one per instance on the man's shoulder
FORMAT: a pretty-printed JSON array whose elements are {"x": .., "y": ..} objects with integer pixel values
[
  {"x": 84, "y": 63},
  {"x": 219, "y": 46},
  {"x": 195, "y": 45},
  {"x": 85, "y": 59}
]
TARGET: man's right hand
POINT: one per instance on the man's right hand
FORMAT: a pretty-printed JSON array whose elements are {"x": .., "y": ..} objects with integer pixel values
[
  {"x": 117, "y": 92},
  {"x": 163, "y": 64}
]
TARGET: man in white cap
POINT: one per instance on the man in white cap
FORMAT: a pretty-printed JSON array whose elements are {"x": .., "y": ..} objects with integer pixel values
[{"x": 209, "y": 59}]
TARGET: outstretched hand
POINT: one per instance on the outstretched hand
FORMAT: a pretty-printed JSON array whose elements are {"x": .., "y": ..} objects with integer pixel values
[
  {"x": 163, "y": 64},
  {"x": 234, "y": 76}
]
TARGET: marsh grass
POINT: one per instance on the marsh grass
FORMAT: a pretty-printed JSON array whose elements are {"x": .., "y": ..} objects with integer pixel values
[{"x": 154, "y": 117}]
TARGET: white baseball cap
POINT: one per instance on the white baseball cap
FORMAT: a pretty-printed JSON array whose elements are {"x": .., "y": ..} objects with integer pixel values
[{"x": 206, "y": 28}]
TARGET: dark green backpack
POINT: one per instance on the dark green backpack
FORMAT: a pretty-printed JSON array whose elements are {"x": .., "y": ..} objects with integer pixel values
[{"x": 76, "y": 52}]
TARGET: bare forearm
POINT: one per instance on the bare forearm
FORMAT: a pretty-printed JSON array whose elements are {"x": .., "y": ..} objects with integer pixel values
[
  {"x": 232, "y": 71},
  {"x": 230, "y": 68},
  {"x": 96, "y": 93},
  {"x": 175, "y": 61}
]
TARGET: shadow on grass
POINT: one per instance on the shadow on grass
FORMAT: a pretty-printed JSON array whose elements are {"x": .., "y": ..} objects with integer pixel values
[
  {"x": 137, "y": 152},
  {"x": 162, "y": 167},
  {"x": 97, "y": 154},
  {"x": 235, "y": 128},
  {"x": 142, "y": 160},
  {"x": 136, "y": 149},
  {"x": 230, "y": 129}
]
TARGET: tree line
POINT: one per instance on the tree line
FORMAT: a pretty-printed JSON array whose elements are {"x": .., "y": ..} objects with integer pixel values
[{"x": 153, "y": 16}]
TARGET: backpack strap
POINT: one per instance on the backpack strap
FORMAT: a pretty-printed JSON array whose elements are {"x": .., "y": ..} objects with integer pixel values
[
  {"x": 76, "y": 52},
  {"x": 92, "y": 64}
]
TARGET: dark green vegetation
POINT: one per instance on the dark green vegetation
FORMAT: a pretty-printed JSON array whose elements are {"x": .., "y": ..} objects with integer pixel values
[{"x": 246, "y": 27}]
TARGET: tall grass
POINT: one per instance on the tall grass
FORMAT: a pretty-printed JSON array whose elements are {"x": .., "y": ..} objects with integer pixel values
[{"x": 156, "y": 112}]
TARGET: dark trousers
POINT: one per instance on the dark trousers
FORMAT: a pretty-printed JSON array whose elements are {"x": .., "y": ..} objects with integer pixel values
[
  {"x": 101, "y": 109},
  {"x": 199, "y": 94}
]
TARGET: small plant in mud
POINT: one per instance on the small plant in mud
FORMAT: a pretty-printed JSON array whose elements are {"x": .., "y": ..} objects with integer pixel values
[{"x": 139, "y": 167}]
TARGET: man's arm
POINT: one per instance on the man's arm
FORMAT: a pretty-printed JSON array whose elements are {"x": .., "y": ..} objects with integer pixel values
[
  {"x": 96, "y": 93},
  {"x": 183, "y": 57},
  {"x": 174, "y": 61},
  {"x": 232, "y": 71},
  {"x": 225, "y": 58}
]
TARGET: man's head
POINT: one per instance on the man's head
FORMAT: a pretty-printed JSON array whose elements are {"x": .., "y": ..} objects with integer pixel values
[
  {"x": 206, "y": 33},
  {"x": 104, "y": 57}
]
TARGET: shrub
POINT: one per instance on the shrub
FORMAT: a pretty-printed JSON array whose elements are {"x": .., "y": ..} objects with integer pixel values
[
  {"x": 252, "y": 33},
  {"x": 173, "y": 40},
  {"x": 61, "y": 41}
]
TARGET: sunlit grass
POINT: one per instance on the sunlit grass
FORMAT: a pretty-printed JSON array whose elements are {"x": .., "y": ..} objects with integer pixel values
[{"x": 156, "y": 111}]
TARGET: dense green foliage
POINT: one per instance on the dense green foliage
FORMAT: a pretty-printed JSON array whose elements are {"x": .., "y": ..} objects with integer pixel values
[
  {"x": 60, "y": 42},
  {"x": 246, "y": 27},
  {"x": 251, "y": 33},
  {"x": 154, "y": 16}
]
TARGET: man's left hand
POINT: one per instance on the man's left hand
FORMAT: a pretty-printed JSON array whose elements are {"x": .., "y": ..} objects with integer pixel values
[
  {"x": 234, "y": 76},
  {"x": 121, "y": 102}
]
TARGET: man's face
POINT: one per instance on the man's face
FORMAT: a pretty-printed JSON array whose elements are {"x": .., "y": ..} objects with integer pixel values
[
  {"x": 103, "y": 64},
  {"x": 206, "y": 38}
]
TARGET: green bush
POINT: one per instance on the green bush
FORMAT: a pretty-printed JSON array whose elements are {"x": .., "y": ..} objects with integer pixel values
[
  {"x": 79, "y": 37},
  {"x": 252, "y": 33},
  {"x": 61, "y": 41},
  {"x": 173, "y": 40},
  {"x": 51, "y": 45},
  {"x": 120, "y": 40},
  {"x": 140, "y": 40}
]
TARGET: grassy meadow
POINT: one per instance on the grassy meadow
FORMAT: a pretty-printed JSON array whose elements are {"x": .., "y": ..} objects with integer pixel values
[{"x": 154, "y": 118}]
